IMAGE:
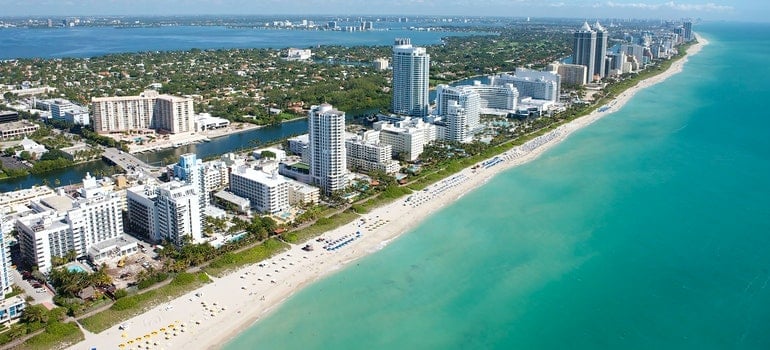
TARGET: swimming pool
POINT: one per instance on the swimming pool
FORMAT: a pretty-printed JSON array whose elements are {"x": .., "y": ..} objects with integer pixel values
[{"x": 75, "y": 268}]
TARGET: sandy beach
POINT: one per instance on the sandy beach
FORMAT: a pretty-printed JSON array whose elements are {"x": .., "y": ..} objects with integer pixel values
[{"x": 211, "y": 315}]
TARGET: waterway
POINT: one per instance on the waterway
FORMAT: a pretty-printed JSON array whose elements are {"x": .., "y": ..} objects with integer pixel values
[{"x": 233, "y": 142}]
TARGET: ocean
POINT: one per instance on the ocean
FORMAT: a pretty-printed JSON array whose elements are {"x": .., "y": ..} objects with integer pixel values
[{"x": 647, "y": 230}]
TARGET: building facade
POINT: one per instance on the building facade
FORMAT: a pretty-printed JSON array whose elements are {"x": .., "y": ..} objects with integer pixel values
[
  {"x": 539, "y": 85},
  {"x": 167, "y": 212},
  {"x": 460, "y": 109},
  {"x": 63, "y": 224},
  {"x": 267, "y": 193},
  {"x": 149, "y": 110},
  {"x": 326, "y": 130},
  {"x": 584, "y": 48},
  {"x": 411, "y": 66},
  {"x": 601, "y": 51}
]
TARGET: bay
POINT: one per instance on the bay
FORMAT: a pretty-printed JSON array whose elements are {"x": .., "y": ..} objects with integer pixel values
[
  {"x": 646, "y": 230},
  {"x": 96, "y": 41}
]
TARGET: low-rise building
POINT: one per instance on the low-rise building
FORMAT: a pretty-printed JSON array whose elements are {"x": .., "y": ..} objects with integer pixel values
[
  {"x": 228, "y": 200},
  {"x": 300, "y": 193},
  {"x": 11, "y": 309},
  {"x": 17, "y": 129}
]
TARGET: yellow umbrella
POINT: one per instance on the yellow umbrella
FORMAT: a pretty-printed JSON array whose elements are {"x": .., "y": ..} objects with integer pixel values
[
  {"x": 121, "y": 345},
  {"x": 130, "y": 341},
  {"x": 123, "y": 335},
  {"x": 163, "y": 329}
]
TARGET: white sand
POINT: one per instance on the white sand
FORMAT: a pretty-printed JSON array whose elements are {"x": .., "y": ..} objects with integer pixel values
[{"x": 249, "y": 294}]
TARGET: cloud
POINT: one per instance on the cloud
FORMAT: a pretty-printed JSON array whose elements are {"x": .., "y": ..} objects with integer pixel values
[{"x": 708, "y": 7}]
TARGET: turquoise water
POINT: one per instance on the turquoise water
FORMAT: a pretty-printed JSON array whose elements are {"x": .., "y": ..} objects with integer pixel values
[
  {"x": 75, "y": 268},
  {"x": 647, "y": 230}
]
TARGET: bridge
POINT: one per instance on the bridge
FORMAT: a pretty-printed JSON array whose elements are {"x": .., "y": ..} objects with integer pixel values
[{"x": 127, "y": 161}]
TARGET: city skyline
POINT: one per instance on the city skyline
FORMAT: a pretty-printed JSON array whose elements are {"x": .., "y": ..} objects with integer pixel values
[{"x": 743, "y": 10}]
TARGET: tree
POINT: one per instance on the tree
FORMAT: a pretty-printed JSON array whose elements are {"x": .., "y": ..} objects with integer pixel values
[
  {"x": 25, "y": 155},
  {"x": 267, "y": 154},
  {"x": 34, "y": 313}
]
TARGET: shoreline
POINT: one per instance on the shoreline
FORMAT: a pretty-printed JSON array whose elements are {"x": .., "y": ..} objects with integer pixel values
[{"x": 214, "y": 314}]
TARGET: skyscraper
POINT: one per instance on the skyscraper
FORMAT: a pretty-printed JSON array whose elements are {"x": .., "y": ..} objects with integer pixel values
[
  {"x": 460, "y": 108},
  {"x": 688, "y": 30},
  {"x": 326, "y": 129},
  {"x": 601, "y": 51},
  {"x": 410, "y": 79},
  {"x": 584, "y": 49},
  {"x": 5, "y": 261}
]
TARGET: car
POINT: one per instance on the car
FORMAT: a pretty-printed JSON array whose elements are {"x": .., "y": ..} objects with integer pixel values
[{"x": 40, "y": 290}]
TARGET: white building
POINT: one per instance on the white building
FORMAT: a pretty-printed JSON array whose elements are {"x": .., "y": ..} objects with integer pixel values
[
  {"x": 5, "y": 263},
  {"x": 326, "y": 129},
  {"x": 191, "y": 170},
  {"x": 299, "y": 145},
  {"x": 381, "y": 64},
  {"x": 499, "y": 99},
  {"x": 407, "y": 138},
  {"x": 167, "y": 212},
  {"x": 62, "y": 224},
  {"x": 31, "y": 147},
  {"x": 459, "y": 108},
  {"x": 366, "y": 156},
  {"x": 149, "y": 110},
  {"x": 298, "y": 54},
  {"x": 179, "y": 217},
  {"x": 411, "y": 67},
  {"x": 204, "y": 121},
  {"x": 540, "y": 85},
  {"x": 268, "y": 193}
]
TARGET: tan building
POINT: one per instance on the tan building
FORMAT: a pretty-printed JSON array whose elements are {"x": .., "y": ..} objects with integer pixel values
[{"x": 149, "y": 110}]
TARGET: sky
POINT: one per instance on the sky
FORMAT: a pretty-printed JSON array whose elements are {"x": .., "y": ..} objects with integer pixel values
[{"x": 742, "y": 10}]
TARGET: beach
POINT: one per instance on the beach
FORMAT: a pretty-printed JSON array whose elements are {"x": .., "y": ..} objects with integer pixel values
[{"x": 212, "y": 314}]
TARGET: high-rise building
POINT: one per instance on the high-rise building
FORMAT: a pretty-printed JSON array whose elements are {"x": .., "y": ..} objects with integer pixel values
[
  {"x": 601, "y": 51},
  {"x": 149, "y": 110},
  {"x": 460, "y": 109},
  {"x": 191, "y": 170},
  {"x": 584, "y": 48},
  {"x": 326, "y": 130},
  {"x": 5, "y": 261},
  {"x": 63, "y": 224},
  {"x": 166, "y": 212},
  {"x": 688, "y": 30},
  {"x": 411, "y": 66}
]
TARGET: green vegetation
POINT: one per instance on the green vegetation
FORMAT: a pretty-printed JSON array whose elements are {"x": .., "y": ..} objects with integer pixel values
[
  {"x": 233, "y": 260},
  {"x": 320, "y": 226},
  {"x": 132, "y": 305},
  {"x": 56, "y": 334},
  {"x": 36, "y": 317}
]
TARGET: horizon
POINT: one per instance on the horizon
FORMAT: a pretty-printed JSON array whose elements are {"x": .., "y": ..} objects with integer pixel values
[{"x": 738, "y": 10}]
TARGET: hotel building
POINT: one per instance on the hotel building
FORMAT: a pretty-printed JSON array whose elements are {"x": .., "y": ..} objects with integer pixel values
[
  {"x": 167, "y": 212},
  {"x": 584, "y": 48},
  {"x": 267, "y": 193},
  {"x": 411, "y": 66},
  {"x": 326, "y": 129},
  {"x": 62, "y": 223}
]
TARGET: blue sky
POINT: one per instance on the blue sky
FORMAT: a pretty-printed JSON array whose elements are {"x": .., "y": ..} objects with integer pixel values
[{"x": 743, "y": 10}]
